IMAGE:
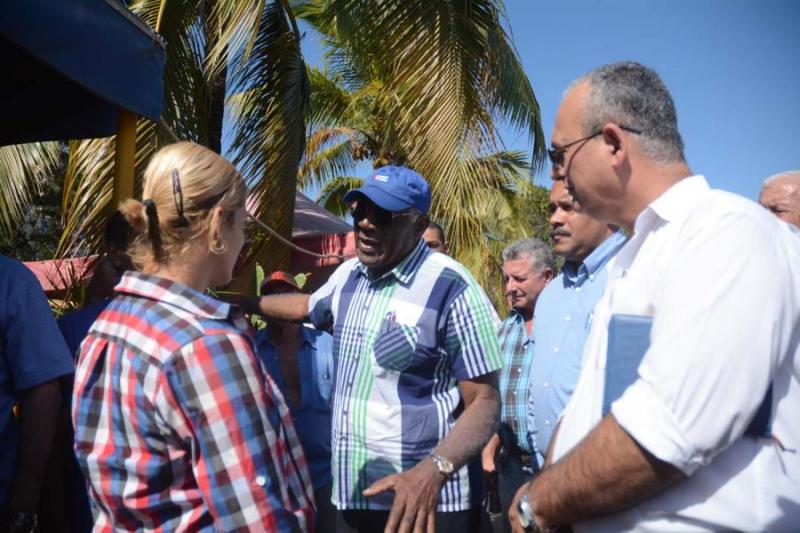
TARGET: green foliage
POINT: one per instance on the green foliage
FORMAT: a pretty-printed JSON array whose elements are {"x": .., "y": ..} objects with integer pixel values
[
  {"x": 30, "y": 206},
  {"x": 425, "y": 84},
  {"x": 247, "y": 50}
]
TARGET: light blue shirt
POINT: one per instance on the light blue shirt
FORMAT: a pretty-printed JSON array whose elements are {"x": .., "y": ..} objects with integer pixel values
[
  {"x": 563, "y": 319},
  {"x": 518, "y": 353},
  {"x": 312, "y": 418}
]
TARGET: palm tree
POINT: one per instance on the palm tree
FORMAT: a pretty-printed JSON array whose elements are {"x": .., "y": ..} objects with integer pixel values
[
  {"x": 425, "y": 83},
  {"x": 420, "y": 82},
  {"x": 232, "y": 66}
]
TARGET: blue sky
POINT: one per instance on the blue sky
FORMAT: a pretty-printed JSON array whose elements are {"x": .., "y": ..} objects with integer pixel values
[{"x": 733, "y": 67}]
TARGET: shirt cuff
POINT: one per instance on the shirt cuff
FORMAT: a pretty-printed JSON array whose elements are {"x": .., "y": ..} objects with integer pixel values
[{"x": 642, "y": 414}]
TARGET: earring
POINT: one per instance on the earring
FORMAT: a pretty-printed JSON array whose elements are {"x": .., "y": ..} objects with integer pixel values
[{"x": 217, "y": 246}]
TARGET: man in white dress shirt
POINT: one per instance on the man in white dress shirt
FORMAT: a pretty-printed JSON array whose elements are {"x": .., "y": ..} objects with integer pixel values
[{"x": 706, "y": 437}]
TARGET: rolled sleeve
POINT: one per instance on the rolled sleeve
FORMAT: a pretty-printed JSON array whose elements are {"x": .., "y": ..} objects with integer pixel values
[
  {"x": 723, "y": 327},
  {"x": 650, "y": 423}
]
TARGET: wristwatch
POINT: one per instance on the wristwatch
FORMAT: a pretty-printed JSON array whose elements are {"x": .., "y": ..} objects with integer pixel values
[
  {"x": 525, "y": 510},
  {"x": 444, "y": 466}
]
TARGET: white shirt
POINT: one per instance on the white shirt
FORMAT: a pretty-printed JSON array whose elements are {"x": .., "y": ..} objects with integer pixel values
[{"x": 721, "y": 279}]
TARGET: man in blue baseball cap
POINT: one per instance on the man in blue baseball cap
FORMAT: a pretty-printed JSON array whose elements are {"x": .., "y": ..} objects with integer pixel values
[
  {"x": 397, "y": 200},
  {"x": 416, "y": 359}
]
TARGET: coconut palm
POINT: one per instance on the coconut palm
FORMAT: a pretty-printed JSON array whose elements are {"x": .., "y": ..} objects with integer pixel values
[
  {"x": 232, "y": 66},
  {"x": 425, "y": 84}
]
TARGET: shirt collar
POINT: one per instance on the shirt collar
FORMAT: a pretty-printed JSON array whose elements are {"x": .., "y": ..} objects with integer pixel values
[
  {"x": 518, "y": 320},
  {"x": 173, "y": 293},
  {"x": 576, "y": 273},
  {"x": 406, "y": 268},
  {"x": 675, "y": 202}
]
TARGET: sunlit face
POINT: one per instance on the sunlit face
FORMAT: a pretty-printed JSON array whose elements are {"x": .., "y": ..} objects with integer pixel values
[
  {"x": 574, "y": 233},
  {"x": 383, "y": 238},
  {"x": 782, "y": 197},
  {"x": 523, "y": 283},
  {"x": 435, "y": 240},
  {"x": 233, "y": 235},
  {"x": 584, "y": 169}
]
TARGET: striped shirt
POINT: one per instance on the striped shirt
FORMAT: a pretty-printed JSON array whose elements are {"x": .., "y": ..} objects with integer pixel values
[
  {"x": 402, "y": 342},
  {"x": 177, "y": 426},
  {"x": 517, "y": 349}
]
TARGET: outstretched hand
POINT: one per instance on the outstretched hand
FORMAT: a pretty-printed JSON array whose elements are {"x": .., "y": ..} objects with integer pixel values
[{"x": 416, "y": 492}]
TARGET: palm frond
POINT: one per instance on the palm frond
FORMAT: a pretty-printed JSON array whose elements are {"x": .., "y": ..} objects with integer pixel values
[
  {"x": 328, "y": 155},
  {"x": 23, "y": 167},
  {"x": 331, "y": 197},
  {"x": 269, "y": 135}
]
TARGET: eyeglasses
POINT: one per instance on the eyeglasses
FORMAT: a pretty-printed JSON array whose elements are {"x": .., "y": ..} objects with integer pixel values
[
  {"x": 556, "y": 154},
  {"x": 378, "y": 215}
]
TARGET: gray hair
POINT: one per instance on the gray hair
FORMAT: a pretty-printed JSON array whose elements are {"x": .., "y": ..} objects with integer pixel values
[
  {"x": 539, "y": 253},
  {"x": 793, "y": 175},
  {"x": 632, "y": 95}
]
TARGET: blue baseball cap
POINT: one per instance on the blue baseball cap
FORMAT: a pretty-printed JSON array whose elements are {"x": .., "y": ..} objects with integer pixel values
[{"x": 394, "y": 188}]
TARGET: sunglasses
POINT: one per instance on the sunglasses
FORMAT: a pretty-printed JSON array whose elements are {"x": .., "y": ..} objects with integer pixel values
[
  {"x": 556, "y": 154},
  {"x": 378, "y": 215}
]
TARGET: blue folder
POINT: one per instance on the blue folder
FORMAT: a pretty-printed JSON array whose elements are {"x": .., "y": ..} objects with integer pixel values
[{"x": 628, "y": 340}]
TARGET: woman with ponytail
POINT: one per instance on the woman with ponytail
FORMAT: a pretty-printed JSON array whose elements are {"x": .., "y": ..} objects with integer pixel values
[{"x": 177, "y": 426}]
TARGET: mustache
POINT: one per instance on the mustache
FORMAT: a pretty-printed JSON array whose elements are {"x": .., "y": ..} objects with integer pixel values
[{"x": 560, "y": 232}]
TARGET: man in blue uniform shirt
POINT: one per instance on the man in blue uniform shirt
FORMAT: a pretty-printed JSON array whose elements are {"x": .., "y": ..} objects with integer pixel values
[
  {"x": 33, "y": 357},
  {"x": 564, "y": 311},
  {"x": 300, "y": 360}
]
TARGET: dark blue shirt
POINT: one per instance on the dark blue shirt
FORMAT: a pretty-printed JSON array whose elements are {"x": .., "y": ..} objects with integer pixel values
[
  {"x": 75, "y": 325},
  {"x": 312, "y": 418},
  {"x": 32, "y": 352}
]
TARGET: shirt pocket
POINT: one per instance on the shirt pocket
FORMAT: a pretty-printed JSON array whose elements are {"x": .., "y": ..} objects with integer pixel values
[
  {"x": 323, "y": 377},
  {"x": 396, "y": 345}
]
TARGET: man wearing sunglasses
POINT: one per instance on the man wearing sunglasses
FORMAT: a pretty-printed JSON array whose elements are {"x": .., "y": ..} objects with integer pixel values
[
  {"x": 684, "y": 417},
  {"x": 416, "y": 387}
]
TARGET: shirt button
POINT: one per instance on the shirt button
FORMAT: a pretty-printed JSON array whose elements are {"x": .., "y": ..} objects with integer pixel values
[
  {"x": 546, "y": 422},
  {"x": 545, "y": 384},
  {"x": 591, "y": 277},
  {"x": 567, "y": 318},
  {"x": 261, "y": 481},
  {"x": 577, "y": 289},
  {"x": 519, "y": 369},
  {"x": 555, "y": 349}
]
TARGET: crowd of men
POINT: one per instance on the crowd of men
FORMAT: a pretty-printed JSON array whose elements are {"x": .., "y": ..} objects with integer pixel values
[{"x": 652, "y": 384}]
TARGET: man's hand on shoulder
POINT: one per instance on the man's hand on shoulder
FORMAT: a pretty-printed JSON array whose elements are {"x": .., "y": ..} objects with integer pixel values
[{"x": 416, "y": 492}]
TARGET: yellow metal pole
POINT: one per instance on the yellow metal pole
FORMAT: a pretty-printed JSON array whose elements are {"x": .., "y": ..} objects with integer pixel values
[{"x": 124, "y": 158}]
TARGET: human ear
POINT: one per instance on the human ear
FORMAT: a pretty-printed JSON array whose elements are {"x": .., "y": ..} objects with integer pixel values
[{"x": 216, "y": 243}]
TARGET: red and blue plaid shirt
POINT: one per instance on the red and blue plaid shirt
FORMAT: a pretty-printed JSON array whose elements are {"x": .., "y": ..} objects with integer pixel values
[{"x": 177, "y": 425}]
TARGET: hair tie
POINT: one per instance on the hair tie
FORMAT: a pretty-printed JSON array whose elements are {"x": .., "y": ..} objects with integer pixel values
[
  {"x": 152, "y": 227},
  {"x": 150, "y": 207}
]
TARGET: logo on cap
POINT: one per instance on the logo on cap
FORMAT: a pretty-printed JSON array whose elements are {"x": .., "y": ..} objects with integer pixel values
[{"x": 380, "y": 177}]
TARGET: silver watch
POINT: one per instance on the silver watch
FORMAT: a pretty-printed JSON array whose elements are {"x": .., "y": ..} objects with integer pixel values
[
  {"x": 444, "y": 466},
  {"x": 525, "y": 510}
]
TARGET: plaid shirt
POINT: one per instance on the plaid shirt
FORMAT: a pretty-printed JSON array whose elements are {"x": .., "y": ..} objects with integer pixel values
[
  {"x": 517, "y": 349},
  {"x": 402, "y": 341},
  {"x": 177, "y": 426}
]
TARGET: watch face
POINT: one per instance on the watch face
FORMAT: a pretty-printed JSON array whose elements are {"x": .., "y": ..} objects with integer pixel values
[
  {"x": 525, "y": 513},
  {"x": 443, "y": 465},
  {"x": 446, "y": 466}
]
